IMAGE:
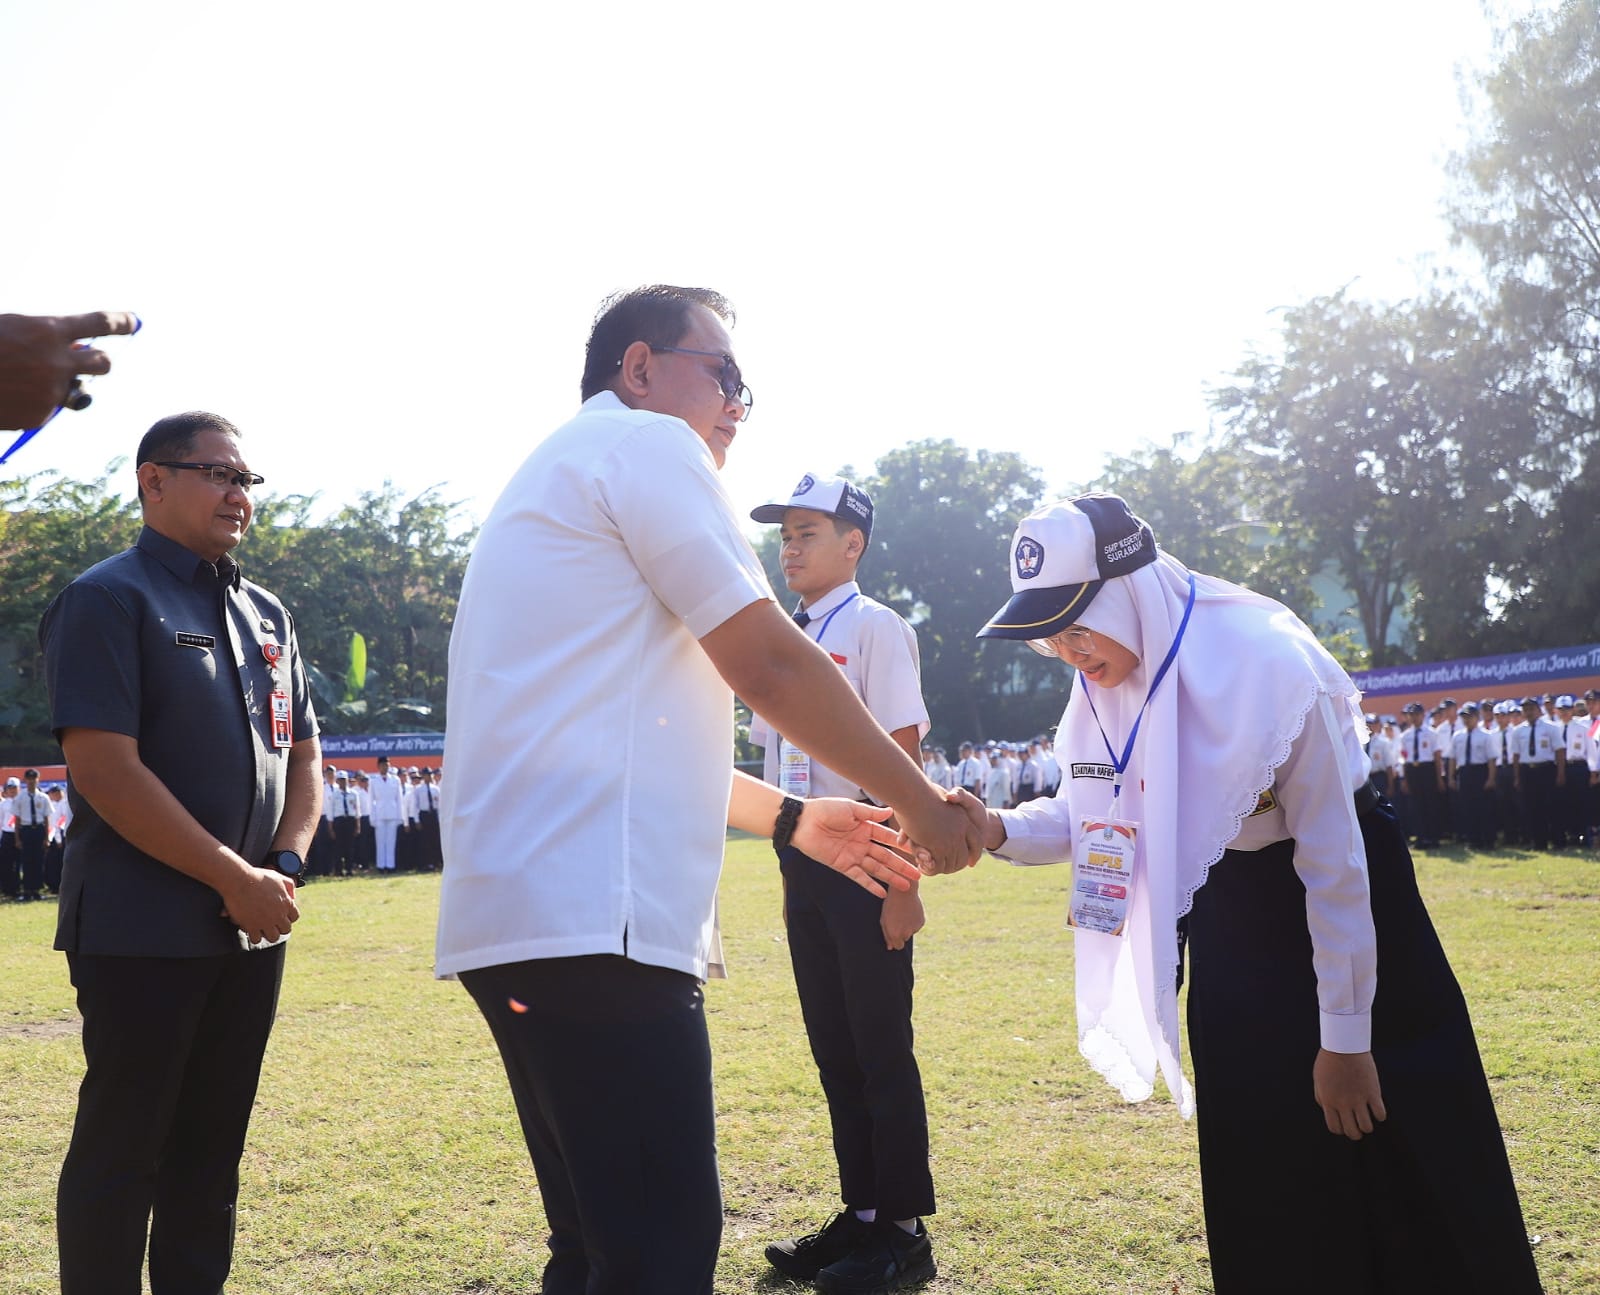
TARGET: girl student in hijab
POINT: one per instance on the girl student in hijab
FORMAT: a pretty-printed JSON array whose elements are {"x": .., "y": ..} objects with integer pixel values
[{"x": 1348, "y": 1141}]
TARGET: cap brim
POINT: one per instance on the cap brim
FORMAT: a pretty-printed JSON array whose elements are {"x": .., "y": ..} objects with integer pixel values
[
  {"x": 769, "y": 513},
  {"x": 1039, "y": 613}
]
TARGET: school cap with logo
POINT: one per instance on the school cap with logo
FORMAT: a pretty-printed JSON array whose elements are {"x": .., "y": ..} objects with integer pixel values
[
  {"x": 831, "y": 495},
  {"x": 1061, "y": 555}
]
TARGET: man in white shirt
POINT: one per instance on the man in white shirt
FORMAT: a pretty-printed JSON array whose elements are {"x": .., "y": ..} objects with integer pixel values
[
  {"x": 1380, "y": 753},
  {"x": 30, "y": 818},
  {"x": 10, "y": 880},
  {"x": 55, "y": 844},
  {"x": 970, "y": 771},
  {"x": 342, "y": 806},
  {"x": 611, "y": 592},
  {"x": 388, "y": 812},
  {"x": 1573, "y": 801},
  {"x": 1539, "y": 765},
  {"x": 1472, "y": 775},
  {"x": 1423, "y": 761},
  {"x": 425, "y": 807}
]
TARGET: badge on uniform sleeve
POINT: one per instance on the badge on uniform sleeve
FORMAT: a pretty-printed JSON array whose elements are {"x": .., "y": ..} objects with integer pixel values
[
  {"x": 282, "y": 737},
  {"x": 1102, "y": 875}
]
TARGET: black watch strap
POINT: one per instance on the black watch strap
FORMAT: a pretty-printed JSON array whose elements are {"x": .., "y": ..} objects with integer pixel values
[{"x": 788, "y": 818}]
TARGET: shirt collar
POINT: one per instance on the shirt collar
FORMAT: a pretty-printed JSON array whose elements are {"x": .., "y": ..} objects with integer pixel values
[
  {"x": 835, "y": 597},
  {"x": 184, "y": 563}
]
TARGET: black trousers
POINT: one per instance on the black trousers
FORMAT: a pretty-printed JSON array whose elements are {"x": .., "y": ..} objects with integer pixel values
[
  {"x": 174, "y": 1048},
  {"x": 1476, "y": 818},
  {"x": 1424, "y": 1203},
  {"x": 345, "y": 857},
  {"x": 1539, "y": 827},
  {"x": 856, "y": 998},
  {"x": 54, "y": 855},
  {"x": 1422, "y": 784},
  {"x": 30, "y": 851},
  {"x": 1576, "y": 797},
  {"x": 430, "y": 853},
  {"x": 610, "y": 1067},
  {"x": 10, "y": 882}
]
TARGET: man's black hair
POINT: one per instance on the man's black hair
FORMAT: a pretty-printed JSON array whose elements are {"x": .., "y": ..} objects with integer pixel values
[
  {"x": 657, "y": 315},
  {"x": 173, "y": 437}
]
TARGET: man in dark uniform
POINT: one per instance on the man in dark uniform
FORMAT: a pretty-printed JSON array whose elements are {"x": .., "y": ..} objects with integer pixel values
[{"x": 178, "y": 696}]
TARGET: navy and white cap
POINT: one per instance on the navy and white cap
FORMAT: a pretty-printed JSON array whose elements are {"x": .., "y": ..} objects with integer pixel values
[
  {"x": 831, "y": 495},
  {"x": 1565, "y": 700},
  {"x": 1061, "y": 555}
]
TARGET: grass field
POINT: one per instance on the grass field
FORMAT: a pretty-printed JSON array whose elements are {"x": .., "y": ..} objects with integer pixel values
[{"x": 384, "y": 1155}]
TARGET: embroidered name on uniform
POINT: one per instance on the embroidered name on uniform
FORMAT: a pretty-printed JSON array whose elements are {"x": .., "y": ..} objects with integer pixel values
[
  {"x": 195, "y": 640},
  {"x": 1093, "y": 771},
  {"x": 1266, "y": 802}
]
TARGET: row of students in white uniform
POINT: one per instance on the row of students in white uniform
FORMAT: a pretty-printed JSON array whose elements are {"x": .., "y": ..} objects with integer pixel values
[
  {"x": 1523, "y": 771},
  {"x": 386, "y": 822},
  {"x": 1001, "y": 774}
]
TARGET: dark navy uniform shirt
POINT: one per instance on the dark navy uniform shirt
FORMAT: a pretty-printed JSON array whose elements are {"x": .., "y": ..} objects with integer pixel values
[{"x": 161, "y": 646}]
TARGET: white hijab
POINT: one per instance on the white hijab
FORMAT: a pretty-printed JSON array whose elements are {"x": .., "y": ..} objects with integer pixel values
[{"x": 1195, "y": 774}]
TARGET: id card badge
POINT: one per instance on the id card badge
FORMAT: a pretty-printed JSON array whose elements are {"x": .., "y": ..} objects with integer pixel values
[
  {"x": 1102, "y": 875},
  {"x": 794, "y": 771},
  {"x": 282, "y": 738}
]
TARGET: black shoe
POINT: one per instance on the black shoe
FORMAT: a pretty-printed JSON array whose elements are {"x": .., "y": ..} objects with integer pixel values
[
  {"x": 806, "y": 1256},
  {"x": 891, "y": 1259}
]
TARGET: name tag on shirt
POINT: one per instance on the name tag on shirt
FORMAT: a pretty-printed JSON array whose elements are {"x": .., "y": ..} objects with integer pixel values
[
  {"x": 1102, "y": 875},
  {"x": 281, "y": 735},
  {"x": 185, "y": 639}
]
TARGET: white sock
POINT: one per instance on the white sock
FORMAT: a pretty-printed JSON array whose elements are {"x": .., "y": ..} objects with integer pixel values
[
  {"x": 867, "y": 1216},
  {"x": 907, "y": 1225}
]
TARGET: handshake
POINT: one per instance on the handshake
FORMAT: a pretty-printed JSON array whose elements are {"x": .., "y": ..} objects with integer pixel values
[{"x": 944, "y": 832}]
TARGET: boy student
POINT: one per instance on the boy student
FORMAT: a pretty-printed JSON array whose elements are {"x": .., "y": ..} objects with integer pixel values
[{"x": 851, "y": 952}]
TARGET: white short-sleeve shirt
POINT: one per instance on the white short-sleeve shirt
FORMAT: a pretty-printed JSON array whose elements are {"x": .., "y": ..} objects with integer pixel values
[
  {"x": 590, "y": 739},
  {"x": 877, "y": 651}
]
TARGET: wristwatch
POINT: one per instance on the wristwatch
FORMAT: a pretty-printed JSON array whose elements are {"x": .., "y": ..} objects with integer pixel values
[{"x": 286, "y": 861}]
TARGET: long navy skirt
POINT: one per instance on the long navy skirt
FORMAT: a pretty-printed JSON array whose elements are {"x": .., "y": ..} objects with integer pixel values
[{"x": 1425, "y": 1203}]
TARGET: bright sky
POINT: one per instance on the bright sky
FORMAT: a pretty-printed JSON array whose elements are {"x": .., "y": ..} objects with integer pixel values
[{"x": 374, "y": 234}]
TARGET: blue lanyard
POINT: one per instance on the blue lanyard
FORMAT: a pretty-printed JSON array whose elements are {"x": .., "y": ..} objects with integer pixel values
[
  {"x": 1127, "y": 752},
  {"x": 828, "y": 619}
]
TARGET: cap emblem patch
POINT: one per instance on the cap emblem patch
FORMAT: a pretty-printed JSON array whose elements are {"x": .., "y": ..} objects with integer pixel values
[
  {"x": 806, "y": 482},
  {"x": 1030, "y": 558}
]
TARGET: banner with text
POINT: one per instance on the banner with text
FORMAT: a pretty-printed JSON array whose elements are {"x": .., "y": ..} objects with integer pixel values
[{"x": 1470, "y": 676}]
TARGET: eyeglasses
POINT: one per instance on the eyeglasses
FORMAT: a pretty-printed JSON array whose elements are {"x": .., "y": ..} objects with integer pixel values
[
  {"x": 222, "y": 475},
  {"x": 729, "y": 379},
  {"x": 1073, "y": 640}
]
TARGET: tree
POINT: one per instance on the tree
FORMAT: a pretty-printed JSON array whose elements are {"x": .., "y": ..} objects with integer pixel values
[
  {"x": 1207, "y": 512},
  {"x": 1528, "y": 196},
  {"x": 1528, "y": 201},
  {"x": 1392, "y": 438},
  {"x": 385, "y": 567},
  {"x": 51, "y": 529}
]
